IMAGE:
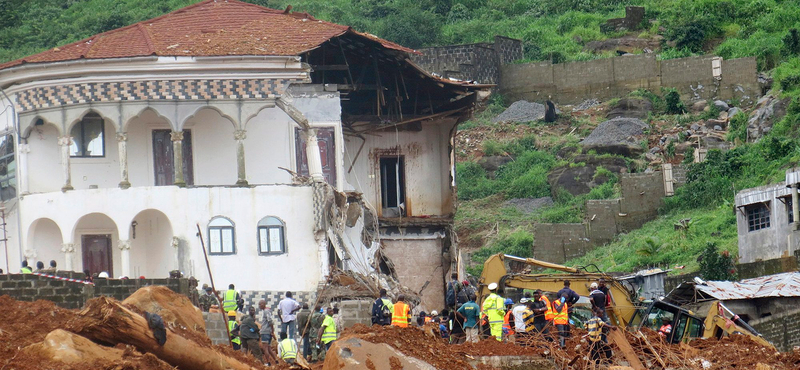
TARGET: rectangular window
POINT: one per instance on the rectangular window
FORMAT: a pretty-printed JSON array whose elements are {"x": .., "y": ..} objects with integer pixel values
[
  {"x": 393, "y": 185},
  {"x": 757, "y": 217},
  {"x": 88, "y": 137},
  {"x": 270, "y": 240},
  {"x": 8, "y": 168}
]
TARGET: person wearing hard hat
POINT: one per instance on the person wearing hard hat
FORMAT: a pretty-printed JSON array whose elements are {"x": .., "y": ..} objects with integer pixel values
[
  {"x": 508, "y": 321},
  {"x": 493, "y": 308},
  {"x": 233, "y": 329}
]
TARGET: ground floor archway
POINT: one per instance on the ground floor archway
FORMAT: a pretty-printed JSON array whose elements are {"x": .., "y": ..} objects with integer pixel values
[{"x": 153, "y": 253}]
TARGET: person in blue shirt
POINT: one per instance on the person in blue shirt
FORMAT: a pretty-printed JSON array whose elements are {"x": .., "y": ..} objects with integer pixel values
[{"x": 471, "y": 313}]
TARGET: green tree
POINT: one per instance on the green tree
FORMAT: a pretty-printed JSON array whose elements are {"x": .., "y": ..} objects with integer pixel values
[{"x": 715, "y": 265}]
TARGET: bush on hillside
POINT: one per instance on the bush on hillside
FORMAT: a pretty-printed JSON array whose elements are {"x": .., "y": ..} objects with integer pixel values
[
  {"x": 715, "y": 265},
  {"x": 673, "y": 103}
]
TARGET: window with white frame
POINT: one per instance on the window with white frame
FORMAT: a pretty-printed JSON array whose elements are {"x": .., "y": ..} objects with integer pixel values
[
  {"x": 271, "y": 236},
  {"x": 221, "y": 236}
]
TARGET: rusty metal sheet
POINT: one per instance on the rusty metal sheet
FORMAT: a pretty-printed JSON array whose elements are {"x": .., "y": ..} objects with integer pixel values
[{"x": 778, "y": 285}]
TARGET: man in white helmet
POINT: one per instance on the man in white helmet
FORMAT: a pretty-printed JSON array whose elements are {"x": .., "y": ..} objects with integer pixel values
[{"x": 495, "y": 310}]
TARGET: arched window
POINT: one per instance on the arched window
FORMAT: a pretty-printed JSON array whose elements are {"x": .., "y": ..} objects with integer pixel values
[
  {"x": 271, "y": 236},
  {"x": 221, "y": 236},
  {"x": 88, "y": 137}
]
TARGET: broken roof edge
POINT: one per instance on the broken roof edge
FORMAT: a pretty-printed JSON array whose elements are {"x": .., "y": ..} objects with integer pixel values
[{"x": 781, "y": 285}]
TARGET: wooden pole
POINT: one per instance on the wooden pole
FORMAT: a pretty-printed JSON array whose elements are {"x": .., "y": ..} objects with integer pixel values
[{"x": 213, "y": 288}]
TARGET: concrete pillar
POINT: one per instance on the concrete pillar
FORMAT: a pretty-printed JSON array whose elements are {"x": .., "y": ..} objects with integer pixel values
[
  {"x": 65, "y": 142},
  {"x": 125, "y": 256},
  {"x": 239, "y": 136},
  {"x": 312, "y": 153},
  {"x": 69, "y": 250},
  {"x": 175, "y": 255},
  {"x": 795, "y": 206},
  {"x": 177, "y": 157},
  {"x": 22, "y": 163},
  {"x": 122, "y": 141}
]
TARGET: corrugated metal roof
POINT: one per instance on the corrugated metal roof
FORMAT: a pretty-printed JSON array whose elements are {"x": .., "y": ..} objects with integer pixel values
[{"x": 779, "y": 285}]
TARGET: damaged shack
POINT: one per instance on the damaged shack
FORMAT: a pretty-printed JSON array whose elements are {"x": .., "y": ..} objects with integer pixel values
[
  {"x": 768, "y": 303},
  {"x": 290, "y": 145}
]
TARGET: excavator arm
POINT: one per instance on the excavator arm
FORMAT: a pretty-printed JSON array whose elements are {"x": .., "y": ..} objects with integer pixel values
[
  {"x": 621, "y": 311},
  {"x": 718, "y": 324}
]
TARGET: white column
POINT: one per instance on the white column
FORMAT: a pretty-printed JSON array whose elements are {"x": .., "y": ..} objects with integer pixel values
[
  {"x": 69, "y": 250},
  {"x": 125, "y": 256},
  {"x": 795, "y": 206},
  {"x": 177, "y": 157},
  {"x": 176, "y": 259},
  {"x": 239, "y": 136},
  {"x": 312, "y": 153},
  {"x": 22, "y": 163},
  {"x": 65, "y": 142},
  {"x": 122, "y": 142}
]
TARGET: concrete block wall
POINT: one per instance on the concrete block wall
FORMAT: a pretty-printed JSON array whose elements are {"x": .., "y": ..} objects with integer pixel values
[
  {"x": 769, "y": 267},
  {"x": 559, "y": 242},
  {"x": 572, "y": 83},
  {"x": 479, "y": 62},
  {"x": 355, "y": 312},
  {"x": 215, "y": 328},
  {"x": 782, "y": 330},
  {"x": 642, "y": 195},
  {"x": 26, "y": 287},
  {"x": 73, "y": 295}
]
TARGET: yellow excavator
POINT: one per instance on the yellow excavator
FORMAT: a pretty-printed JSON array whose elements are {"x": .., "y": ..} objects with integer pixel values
[{"x": 625, "y": 311}]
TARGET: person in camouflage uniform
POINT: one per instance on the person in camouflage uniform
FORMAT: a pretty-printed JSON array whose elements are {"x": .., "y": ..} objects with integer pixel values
[
  {"x": 317, "y": 352},
  {"x": 208, "y": 299}
]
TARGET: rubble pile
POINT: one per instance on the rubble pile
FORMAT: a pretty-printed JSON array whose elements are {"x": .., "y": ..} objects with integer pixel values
[
  {"x": 648, "y": 347},
  {"x": 521, "y": 111},
  {"x": 342, "y": 285},
  {"x": 105, "y": 335}
]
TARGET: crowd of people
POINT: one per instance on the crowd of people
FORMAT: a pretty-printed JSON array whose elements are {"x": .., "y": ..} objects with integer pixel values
[
  {"x": 534, "y": 318},
  {"x": 253, "y": 330}
]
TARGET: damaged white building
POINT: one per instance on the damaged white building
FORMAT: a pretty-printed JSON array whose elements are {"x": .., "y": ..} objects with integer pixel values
[{"x": 289, "y": 144}]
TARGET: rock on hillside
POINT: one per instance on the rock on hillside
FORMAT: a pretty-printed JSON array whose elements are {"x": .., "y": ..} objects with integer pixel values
[
  {"x": 617, "y": 136},
  {"x": 581, "y": 179},
  {"x": 768, "y": 110},
  {"x": 522, "y": 111}
]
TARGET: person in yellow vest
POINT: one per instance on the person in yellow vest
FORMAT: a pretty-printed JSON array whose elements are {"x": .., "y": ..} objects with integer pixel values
[
  {"x": 230, "y": 299},
  {"x": 25, "y": 269},
  {"x": 597, "y": 338},
  {"x": 287, "y": 349},
  {"x": 328, "y": 332},
  {"x": 561, "y": 319},
  {"x": 400, "y": 313},
  {"x": 233, "y": 328},
  {"x": 494, "y": 310}
]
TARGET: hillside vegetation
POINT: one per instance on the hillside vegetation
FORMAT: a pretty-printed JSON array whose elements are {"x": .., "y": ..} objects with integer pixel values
[{"x": 554, "y": 30}]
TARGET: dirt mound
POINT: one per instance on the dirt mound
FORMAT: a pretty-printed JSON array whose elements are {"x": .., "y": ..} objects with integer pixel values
[{"x": 173, "y": 308}]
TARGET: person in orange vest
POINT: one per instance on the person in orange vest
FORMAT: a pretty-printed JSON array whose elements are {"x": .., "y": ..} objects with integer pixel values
[
  {"x": 561, "y": 319},
  {"x": 666, "y": 328},
  {"x": 543, "y": 313},
  {"x": 508, "y": 321},
  {"x": 400, "y": 315}
]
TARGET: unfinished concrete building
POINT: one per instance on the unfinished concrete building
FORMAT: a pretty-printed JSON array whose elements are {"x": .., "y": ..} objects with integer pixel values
[
  {"x": 768, "y": 220},
  {"x": 292, "y": 146}
]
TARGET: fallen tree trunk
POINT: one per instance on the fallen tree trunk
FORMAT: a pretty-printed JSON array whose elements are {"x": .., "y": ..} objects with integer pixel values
[
  {"x": 107, "y": 321},
  {"x": 618, "y": 337}
]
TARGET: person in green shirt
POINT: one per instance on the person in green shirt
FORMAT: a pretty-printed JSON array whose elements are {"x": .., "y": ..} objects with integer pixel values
[{"x": 471, "y": 313}]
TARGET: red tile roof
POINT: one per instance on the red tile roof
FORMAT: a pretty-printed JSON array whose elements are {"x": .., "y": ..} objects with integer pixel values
[{"x": 208, "y": 28}]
